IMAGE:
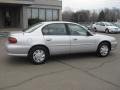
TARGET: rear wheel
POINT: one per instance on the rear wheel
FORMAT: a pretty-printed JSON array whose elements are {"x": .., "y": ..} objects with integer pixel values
[
  {"x": 103, "y": 49},
  {"x": 38, "y": 55}
]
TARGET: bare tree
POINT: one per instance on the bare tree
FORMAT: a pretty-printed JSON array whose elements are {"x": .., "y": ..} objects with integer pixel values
[
  {"x": 67, "y": 14},
  {"x": 106, "y": 14},
  {"x": 93, "y": 16},
  {"x": 83, "y": 15}
]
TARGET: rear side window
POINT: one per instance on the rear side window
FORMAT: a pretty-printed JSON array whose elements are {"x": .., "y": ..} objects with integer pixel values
[
  {"x": 54, "y": 29},
  {"x": 97, "y": 23},
  {"x": 33, "y": 28},
  {"x": 102, "y": 24}
]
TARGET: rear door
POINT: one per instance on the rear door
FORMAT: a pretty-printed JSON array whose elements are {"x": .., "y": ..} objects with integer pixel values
[
  {"x": 98, "y": 26},
  {"x": 102, "y": 27},
  {"x": 57, "y": 38}
]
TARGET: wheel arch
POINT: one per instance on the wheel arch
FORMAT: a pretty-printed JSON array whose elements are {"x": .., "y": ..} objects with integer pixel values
[
  {"x": 107, "y": 29},
  {"x": 105, "y": 41},
  {"x": 39, "y": 45}
]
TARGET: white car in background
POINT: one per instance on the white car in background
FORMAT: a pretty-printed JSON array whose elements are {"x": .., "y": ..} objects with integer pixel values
[{"x": 105, "y": 27}]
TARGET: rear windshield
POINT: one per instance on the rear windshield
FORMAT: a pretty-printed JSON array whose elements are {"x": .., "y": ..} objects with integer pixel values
[{"x": 33, "y": 28}]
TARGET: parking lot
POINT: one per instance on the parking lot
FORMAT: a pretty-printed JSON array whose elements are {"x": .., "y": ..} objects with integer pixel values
[{"x": 66, "y": 72}]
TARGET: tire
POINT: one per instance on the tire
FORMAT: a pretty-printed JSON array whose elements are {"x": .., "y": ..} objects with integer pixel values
[
  {"x": 103, "y": 49},
  {"x": 38, "y": 55},
  {"x": 107, "y": 31},
  {"x": 95, "y": 30}
]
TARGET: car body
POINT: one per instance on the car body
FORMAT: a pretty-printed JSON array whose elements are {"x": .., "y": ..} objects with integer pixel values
[
  {"x": 105, "y": 27},
  {"x": 53, "y": 38},
  {"x": 117, "y": 24}
]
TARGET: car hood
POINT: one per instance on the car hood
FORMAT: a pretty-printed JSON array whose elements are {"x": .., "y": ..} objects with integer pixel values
[
  {"x": 112, "y": 27},
  {"x": 104, "y": 37}
]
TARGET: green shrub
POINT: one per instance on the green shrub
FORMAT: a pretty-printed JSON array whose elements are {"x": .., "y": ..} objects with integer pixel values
[{"x": 33, "y": 21}]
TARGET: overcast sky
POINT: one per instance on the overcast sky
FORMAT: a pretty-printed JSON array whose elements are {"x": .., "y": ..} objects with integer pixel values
[{"x": 90, "y": 4}]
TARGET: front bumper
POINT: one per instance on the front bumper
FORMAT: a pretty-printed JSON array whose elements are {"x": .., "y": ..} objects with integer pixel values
[
  {"x": 114, "y": 45},
  {"x": 115, "y": 31}
]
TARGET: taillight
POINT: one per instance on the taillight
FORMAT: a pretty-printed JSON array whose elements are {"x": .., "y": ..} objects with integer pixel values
[{"x": 12, "y": 40}]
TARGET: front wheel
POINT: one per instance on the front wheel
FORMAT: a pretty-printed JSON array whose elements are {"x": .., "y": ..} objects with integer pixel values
[
  {"x": 107, "y": 31},
  {"x": 95, "y": 29},
  {"x": 38, "y": 55},
  {"x": 103, "y": 50}
]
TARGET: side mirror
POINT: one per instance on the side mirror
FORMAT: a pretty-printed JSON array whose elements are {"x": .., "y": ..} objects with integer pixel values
[{"x": 89, "y": 34}]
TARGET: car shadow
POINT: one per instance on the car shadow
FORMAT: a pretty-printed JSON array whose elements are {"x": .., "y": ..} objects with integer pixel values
[
  {"x": 25, "y": 60},
  {"x": 18, "y": 60},
  {"x": 73, "y": 56}
]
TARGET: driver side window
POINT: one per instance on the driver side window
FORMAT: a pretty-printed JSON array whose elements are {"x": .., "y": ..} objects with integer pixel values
[
  {"x": 77, "y": 30},
  {"x": 102, "y": 24}
]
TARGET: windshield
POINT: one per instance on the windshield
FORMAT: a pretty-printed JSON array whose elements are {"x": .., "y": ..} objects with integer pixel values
[
  {"x": 108, "y": 24},
  {"x": 32, "y": 28},
  {"x": 117, "y": 24}
]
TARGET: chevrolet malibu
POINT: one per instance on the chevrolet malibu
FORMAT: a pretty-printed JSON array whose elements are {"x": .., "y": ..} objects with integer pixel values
[{"x": 53, "y": 38}]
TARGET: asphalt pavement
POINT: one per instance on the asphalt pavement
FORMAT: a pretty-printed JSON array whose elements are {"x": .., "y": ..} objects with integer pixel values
[{"x": 66, "y": 72}]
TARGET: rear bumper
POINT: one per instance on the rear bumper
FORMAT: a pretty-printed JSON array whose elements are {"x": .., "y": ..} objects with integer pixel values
[{"x": 16, "y": 50}]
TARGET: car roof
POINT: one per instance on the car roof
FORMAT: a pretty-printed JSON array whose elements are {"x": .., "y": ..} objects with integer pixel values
[
  {"x": 103, "y": 22},
  {"x": 50, "y": 22}
]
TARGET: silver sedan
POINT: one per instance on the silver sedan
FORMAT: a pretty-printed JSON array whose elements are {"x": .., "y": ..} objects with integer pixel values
[{"x": 53, "y": 38}]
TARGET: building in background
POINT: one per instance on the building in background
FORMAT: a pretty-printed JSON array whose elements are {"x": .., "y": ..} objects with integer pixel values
[{"x": 15, "y": 13}]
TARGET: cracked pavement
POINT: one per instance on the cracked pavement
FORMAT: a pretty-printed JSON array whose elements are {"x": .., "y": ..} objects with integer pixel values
[{"x": 66, "y": 72}]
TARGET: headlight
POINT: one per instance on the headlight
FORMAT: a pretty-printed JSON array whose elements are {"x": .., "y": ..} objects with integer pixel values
[
  {"x": 115, "y": 28},
  {"x": 113, "y": 40}
]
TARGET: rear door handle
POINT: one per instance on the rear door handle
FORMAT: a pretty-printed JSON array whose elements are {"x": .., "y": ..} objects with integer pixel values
[
  {"x": 48, "y": 39},
  {"x": 75, "y": 39}
]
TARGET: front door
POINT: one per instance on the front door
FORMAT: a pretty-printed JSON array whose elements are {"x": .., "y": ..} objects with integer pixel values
[
  {"x": 80, "y": 40},
  {"x": 56, "y": 38}
]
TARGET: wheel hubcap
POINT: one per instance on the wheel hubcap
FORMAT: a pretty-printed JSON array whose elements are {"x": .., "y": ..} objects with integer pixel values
[
  {"x": 104, "y": 50},
  {"x": 107, "y": 31},
  {"x": 39, "y": 56}
]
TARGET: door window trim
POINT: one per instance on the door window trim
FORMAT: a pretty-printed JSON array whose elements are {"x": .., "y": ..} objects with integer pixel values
[
  {"x": 69, "y": 31},
  {"x": 66, "y": 29}
]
